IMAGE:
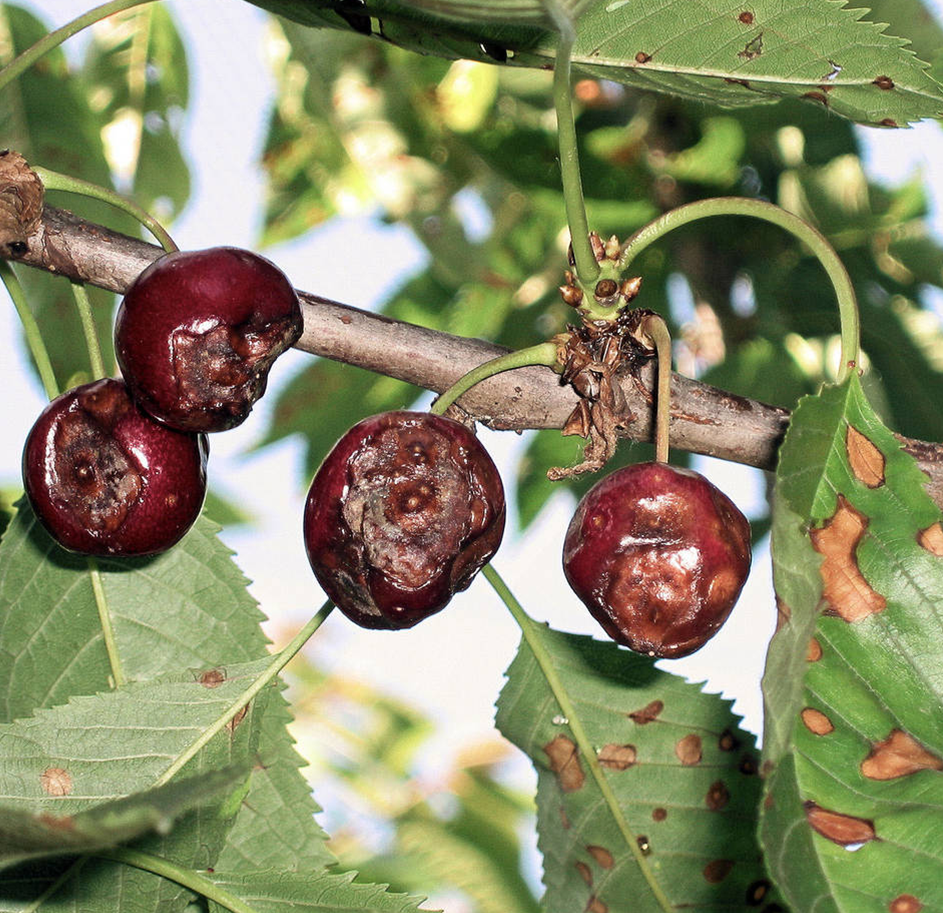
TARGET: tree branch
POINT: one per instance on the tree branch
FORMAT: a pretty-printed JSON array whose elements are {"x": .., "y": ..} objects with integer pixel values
[{"x": 704, "y": 419}]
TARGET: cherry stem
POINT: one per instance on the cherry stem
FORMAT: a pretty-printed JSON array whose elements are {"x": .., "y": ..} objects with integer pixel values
[
  {"x": 34, "y": 336},
  {"x": 656, "y": 329},
  {"x": 84, "y": 307},
  {"x": 768, "y": 212},
  {"x": 47, "y": 43},
  {"x": 587, "y": 269},
  {"x": 279, "y": 661},
  {"x": 52, "y": 180},
  {"x": 544, "y": 353},
  {"x": 533, "y": 635},
  {"x": 199, "y": 884}
]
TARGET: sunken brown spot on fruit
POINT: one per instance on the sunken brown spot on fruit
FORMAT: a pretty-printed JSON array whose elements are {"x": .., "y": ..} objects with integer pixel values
[
  {"x": 728, "y": 741},
  {"x": 845, "y": 830},
  {"x": 618, "y": 757},
  {"x": 905, "y": 903},
  {"x": 648, "y": 713},
  {"x": 716, "y": 871},
  {"x": 884, "y": 82},
  {"x": 899, "y": 755},
  {"x": 846, "y": 591},
  {"x": 642, "y": 57},
  {"x": 212, "y": 678},
  {"x": 717, "y": 796},
  {"x": 867, "y": 462},
  {"x": 756, "y": 892},
  {"x": 602, "y": 856},
  {"x": 585, "y": 872},
  {"x": 688, "y": 750},
  {"x": 816, "y": 721},
  {"x": 237, "y": 719},
  {"x": 746, "y": 17},
  {"x": 595, "y": 905},
  {"x": 659, "y": 814},
  {"x": 931, "y": 539},
  {"x": 565, "y": 763},
  {"x": 55, "y": 781},
  {"x": 813, "y": 652}
]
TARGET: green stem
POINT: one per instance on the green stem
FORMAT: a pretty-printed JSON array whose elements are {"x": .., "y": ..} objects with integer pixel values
[
  {"x": 52, "y": 180},
  {"x": 108, "y": 630},
  {"x": 587, "y": 269},
  {"x": 657, "y": 330},
  {"x": 48, "y": 42},
  {"x": 197, "y": 883},
  {"x": 814, "y": 239},
  {"x": 34, "y": 337},
  {"x": 88, "y": 328},
  {"x": 532, "y": 633},
  {"x": 544, "y": 353},
  {"x": 279, "y": 661}
]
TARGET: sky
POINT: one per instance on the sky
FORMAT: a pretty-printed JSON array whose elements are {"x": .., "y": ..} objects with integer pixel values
[{"x": 450, "y": 666}]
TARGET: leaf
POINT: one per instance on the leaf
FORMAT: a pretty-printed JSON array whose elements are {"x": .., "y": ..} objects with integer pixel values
[
  {"x": 681, "y": 770},
  {"x": 914, "y": 20},
  {"x": 853, "y": 683},
  {"x": 24, "y": 835}
]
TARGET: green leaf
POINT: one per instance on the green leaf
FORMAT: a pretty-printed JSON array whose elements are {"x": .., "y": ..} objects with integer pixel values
[
  {"x": 682, "y": 772},
  {"x": 853, "y": 685},
  {"x": 914, "y": 20}
]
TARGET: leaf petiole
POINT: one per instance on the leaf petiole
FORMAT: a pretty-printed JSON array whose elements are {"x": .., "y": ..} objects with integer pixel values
[{"x": 88, "y": 329}]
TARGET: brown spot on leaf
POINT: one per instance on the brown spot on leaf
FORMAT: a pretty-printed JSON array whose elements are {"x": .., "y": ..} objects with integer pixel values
[
  {"x": 748, "y": 766},
  {"x": 820, "y": 97},
  {"x": 816, "y": 721},
  {"x": 931, "y": 539},
  {"x": 783, "y": 613},
  {"x": 753, "y": 49},
  {"x": 738, "y": 82},
  {"x": 813, "y": 653},
  {"x": 602, "y": 856},
  {"x": 905, "y": 903},
  {"x": 565, "y": 819},
  {"x": 642, "y": 57},
  {"x": 237, "y": 719},
  {"x": 888, "y": 122},
  {"x": 899, "y": 755},
  {"x": 212, "y": 678},
  {"x": 846, "y": 591},
  {"x": 688, "y": 750},
  {"x": 756, "y": 892},
  {"x": 884, "y": 82},
  {"x": 648, "y": 713},
  {"x": 55, "y": 781},
  {"x": 58, "y": 822},
  {"x": 644, "y": 844},
  {"x": 585, "y": 872},
  {"x": 867, "y": 462},
  {"x": 618, "y": 757},
  {"x": 767, "y": 768},
  {"x": 845, "y": 830},
  {"x": 717, "y": 796},
  {"x": 746, "y": 17},
  {"x": 716, "y": 871},
  {"x": 565, "y": 763},
  {"x": 595, "y": 905},
  {"x": 728, "y": 741},
  {"x": 659, "y": 814}
]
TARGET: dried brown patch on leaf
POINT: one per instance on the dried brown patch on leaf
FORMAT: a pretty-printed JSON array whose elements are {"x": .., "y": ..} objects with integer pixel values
[
  {"x": 899, "y": 755},
  {"x": 602, "y": 856},
  {"x": 884, "y": 82},
  {"x": 757, "y": 892},
  {"x": 212, "y": 678},
  {"x": 845, "y": 590},
  {"x": 595, "y": 905},
  {"x": 905, "y": 903},
  {"x": 688, "y": 750},
  {"x": 845, "y": 830},
  {"x": 866, "y": 461},
  {"x": 748, "y": 766},
  {"x": 813, "y": 652},
  {"x": 717, "y": 796},
  {"x": 564, "y": 759},
  {"x": 618, "y": 757},
  {"x": 816, "y": 721},
  {"x": 58, "y": 822},
  {"x": 585, "y": 872},
  {"x": 56, "y": 781},
  {"x": 717, "y": 870},
  {"x": 931, "y": 539},
  {"x": 659, "y": 814},
  {"x": 565, "y": 819},
  {"x": 783, "y": 613},
  {"x": 647, "y": 714},
  {"x": 728, "y": 741},
  {"x": 237, "y": 719}
]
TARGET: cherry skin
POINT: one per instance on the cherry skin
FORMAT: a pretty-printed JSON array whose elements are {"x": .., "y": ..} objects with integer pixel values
[
  {"x": 198, "y": 331},
  {"x": 658, "y": 555},
  {"x": 402, "y": 514},
  {"x": 105, "y": 479}
]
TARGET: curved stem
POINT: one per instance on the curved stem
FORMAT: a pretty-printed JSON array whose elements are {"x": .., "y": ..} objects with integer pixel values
[
  {"x": 88, "y": 329},
  {"x": 657, "y": 330},
  {"x": 532, "y": 632},
  {"x": 34, "y": 337},
  {"x": 768, "y": 212},
  {"x": 544, "y": 353},
  {"x": 279, "y": 661},
  {"x": 48, "y": 42},
  {"x": 197, "y": 883},
  {"x": 52, "y": 180}
]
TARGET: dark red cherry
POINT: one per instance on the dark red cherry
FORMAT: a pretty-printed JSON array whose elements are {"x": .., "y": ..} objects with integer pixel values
[
  {"x": 104, "y": 478},
  {"x": 658, "y": 555},
  {"x": 402, "y": 514},
  {"x": 198, "y": 331}
]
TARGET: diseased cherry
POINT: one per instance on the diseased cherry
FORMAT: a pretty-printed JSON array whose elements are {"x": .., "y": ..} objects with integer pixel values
[
  {"x": 659, "y": 555},
  {"x": 198, "y": 331},
  {"x": 104, "y": 478},
  {"x": 401, "y": 515}
]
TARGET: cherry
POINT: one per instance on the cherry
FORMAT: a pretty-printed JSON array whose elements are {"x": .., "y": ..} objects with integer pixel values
[
  {"x": 401, "y": 515},
  {"x": 198, "y": 331},
  {"x": 658, "y": 555},
  {"x": 104, "y": 478}
]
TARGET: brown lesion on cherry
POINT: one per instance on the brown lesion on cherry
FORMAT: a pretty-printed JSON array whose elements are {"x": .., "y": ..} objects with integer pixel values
[{"x": 899, "y": 755}]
